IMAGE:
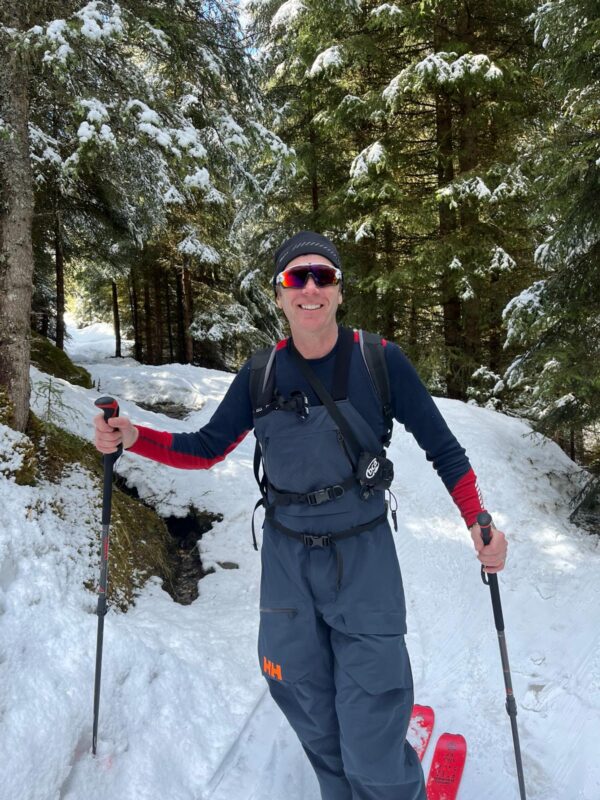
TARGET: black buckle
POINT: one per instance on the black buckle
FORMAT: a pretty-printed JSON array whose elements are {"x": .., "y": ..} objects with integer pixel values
[
  {"x": 323, "y": 495},
  {"x": 316, "y": 541}
]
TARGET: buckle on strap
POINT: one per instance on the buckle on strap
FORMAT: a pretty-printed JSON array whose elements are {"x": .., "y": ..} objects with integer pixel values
[
  {"x": 323, "y": 495},
  {"x": 316, "y": 541}
]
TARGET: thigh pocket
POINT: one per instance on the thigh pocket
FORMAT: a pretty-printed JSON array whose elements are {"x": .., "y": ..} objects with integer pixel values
[
  {"x": 283, "y": 654},
  {"x": 372, "y": 651}
]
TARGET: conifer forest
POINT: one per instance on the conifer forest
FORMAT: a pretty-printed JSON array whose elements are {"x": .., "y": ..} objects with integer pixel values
[{"x": 153, "y": 155}]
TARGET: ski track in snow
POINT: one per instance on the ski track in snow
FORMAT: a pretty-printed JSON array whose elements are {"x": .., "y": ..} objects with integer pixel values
[{"x": 184, "y": 711}]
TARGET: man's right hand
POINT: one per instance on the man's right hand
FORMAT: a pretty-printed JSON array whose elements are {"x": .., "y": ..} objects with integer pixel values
[{"x": 118, "y": 430}]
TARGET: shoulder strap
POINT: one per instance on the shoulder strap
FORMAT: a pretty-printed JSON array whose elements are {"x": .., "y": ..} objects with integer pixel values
[
  {"x": 327, "y": 400},
  {"x": 262, "y": 377},
  {"x": 373, "y": 353},
  {"x": 345, "y": 345}
]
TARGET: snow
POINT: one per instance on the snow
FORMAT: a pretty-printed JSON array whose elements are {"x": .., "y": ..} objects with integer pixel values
[
  {"x": 97, "y": 23},
  {"x": 328, "y": 59},
  {"x": 184, "y": 712},
  {"x": 199, "y": 179},
  {"x": 192, "y": 246},
  {"x": 96, "y": 110},
  {"x": 442, "y": 69},
  {"x": 286, "y": 14},
  {"x": 373, "y": 155}
]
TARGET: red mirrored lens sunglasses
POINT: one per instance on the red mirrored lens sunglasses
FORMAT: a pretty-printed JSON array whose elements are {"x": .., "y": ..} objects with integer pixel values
[{"x": 296, "y": 277}]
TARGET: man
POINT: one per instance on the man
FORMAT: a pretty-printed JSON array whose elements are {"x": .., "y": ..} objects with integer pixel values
[{"x": 333, "y": 617}]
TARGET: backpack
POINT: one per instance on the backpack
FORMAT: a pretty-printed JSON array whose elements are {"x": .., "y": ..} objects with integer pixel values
[
  {"x": 262, "y": 377},
  {"x": 262, "y": 395}
]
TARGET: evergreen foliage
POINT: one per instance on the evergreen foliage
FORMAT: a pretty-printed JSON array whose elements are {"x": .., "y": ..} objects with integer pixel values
[
  {"x": 142, "y": 118},
  {"x": 556, "y": 321},
  {"x": 406, "y": 121}
]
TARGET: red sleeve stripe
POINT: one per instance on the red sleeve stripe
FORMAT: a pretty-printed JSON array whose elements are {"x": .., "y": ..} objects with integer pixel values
[
  {"x": 280, "y": 345},
  {"x": 468, "y": 498},
  {"x": 158, "y": 446}
]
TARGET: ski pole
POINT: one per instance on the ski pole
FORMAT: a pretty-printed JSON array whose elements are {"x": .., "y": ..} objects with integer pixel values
[
  {"x": 485, "y": 523},
  {"x": 110, "y": 408}
]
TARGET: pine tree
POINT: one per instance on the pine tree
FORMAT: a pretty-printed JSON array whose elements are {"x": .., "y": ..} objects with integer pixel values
[
  {"x": 555, "y": 321},
  {"x": 406, "y": 121}
]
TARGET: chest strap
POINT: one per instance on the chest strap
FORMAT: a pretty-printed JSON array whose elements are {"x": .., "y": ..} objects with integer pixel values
[{"x": 283, "y": 498}]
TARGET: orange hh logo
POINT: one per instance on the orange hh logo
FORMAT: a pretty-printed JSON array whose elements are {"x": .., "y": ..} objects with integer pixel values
[{"x": 271, "y": 669}]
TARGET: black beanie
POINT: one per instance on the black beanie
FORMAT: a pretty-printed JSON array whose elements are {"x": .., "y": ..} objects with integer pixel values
[{"x": 302, "y": 244}]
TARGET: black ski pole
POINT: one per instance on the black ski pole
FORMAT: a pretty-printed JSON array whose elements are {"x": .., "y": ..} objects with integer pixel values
[
  {"x": 485, "y": 523},
  {"x": 110, "y": 408}
]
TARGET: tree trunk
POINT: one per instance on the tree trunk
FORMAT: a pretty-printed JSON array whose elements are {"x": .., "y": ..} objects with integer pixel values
[
  {"x": 116, "y": 320},
  {"x": 314, "y": 186},
  {"x": 468, "y": 158},
  {"x": 388, "y": 327},
  {"x": 169, "y": 329},
  {"x": 158, "y": 317},
  {"x": 447, "y": 226},
  {"x": 16, "y": 216},
  {"x": 135, "y": 317},
  {"x": 59, "y": 261},
  {"x": 44, "y": 324},
  {"x": 148, "y": 324},
  {"x": 188, "y": 312},
  {"x": 180, "y": 316},
  {"x": 451, "y": 304}
]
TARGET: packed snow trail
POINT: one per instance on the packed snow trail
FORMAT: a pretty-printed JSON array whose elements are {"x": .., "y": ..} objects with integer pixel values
[{"x": 184, "y": 713}]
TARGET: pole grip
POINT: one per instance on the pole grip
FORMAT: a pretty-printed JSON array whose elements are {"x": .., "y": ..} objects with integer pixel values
[
  {"x": 484, "y": 520},
  {"x": 109, "y": 406}
]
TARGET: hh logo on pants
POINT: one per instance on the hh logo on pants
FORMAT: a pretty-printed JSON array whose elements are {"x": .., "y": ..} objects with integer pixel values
[{"x": 271, "y": 669}]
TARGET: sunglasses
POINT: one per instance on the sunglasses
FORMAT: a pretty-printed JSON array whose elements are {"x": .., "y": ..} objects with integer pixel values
[{"x": 296, "y": 277}]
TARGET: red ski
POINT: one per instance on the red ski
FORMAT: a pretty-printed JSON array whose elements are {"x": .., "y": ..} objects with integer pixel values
[
  {"x": 420, "y": 728},
  {"x": 446, "y": 767}
]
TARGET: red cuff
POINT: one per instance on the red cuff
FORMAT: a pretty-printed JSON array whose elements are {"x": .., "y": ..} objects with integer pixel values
[
  {"x": 152, "y": 444},
  {"x": 468, "y": 498}
]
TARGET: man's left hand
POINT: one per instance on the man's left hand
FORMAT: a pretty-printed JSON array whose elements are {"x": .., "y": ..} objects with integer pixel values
[{"x": 492, "y": 555}]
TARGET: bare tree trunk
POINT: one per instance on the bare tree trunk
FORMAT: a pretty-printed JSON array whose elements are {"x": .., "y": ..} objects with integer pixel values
[
  {"x": 116, "y": 320},
  {"x": 314, "y": 185},
  {"x": 188, "y": 311},
  {"x": 148, "y": 324},
  {"x": 137, "y": 339},
  {"x": 59, "y": 262},
  {"x": 158, "y": 316},
  {"x": 447, "y": 225},
  {"x": 388, "y": 326},
  {"x": 180, "y": 317},
  {"x": 169, "y": 329},
  {"x": 16, "y": 216}
]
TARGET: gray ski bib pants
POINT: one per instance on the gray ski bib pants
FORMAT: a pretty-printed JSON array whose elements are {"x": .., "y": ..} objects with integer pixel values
[{"x": 333, "y": 617}]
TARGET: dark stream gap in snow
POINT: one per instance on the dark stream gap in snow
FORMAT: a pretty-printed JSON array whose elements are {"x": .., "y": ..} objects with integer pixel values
[{"x": 184, "y": 556}]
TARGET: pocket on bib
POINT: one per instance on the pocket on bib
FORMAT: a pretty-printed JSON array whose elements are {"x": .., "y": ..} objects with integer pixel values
[{"x": 372, "y": 651}]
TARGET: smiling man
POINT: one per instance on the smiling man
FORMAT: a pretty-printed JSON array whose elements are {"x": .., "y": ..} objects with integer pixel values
[{"x": 333, "y": 616}]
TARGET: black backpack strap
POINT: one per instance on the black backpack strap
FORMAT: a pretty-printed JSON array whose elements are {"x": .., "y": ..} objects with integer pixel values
[
  {"x": 262, "y": 378},
  {"x": 340, "y": 420},
  {"x": 345, "y": 346},
  {"x": 262, "y": 389},
  {"x": 373, "y": 354}
]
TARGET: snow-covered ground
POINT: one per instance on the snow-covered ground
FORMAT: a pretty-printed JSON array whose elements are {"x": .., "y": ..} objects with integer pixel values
[{"x": 184, "y": 712}]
